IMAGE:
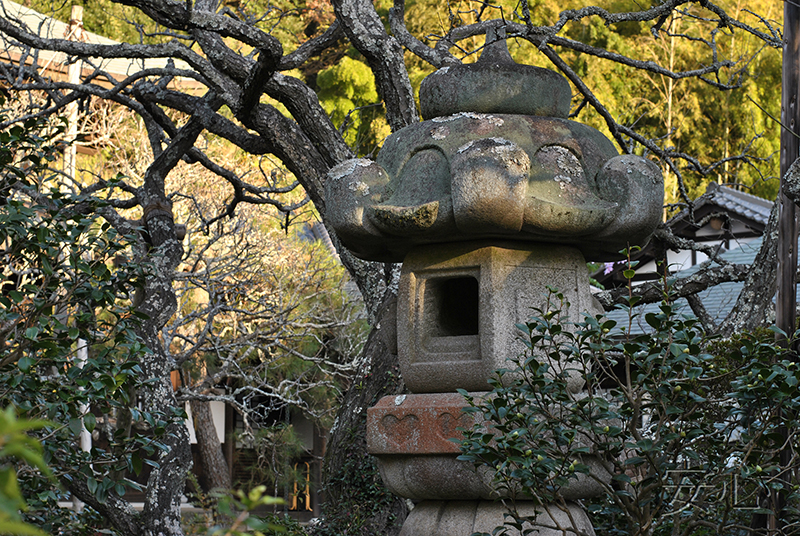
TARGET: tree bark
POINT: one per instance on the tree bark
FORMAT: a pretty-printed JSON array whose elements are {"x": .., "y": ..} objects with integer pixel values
[
  {"x": 215, "y": 467},
  {"x": 161, "y": 515},
  {"x": 755, "y": 299},
  {"x": 357, "y": 503},
  {"x": 383, "y": 52}
]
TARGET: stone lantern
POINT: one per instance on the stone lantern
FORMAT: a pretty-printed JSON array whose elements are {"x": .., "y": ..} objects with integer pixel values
[{"x": 495, "y": 196}]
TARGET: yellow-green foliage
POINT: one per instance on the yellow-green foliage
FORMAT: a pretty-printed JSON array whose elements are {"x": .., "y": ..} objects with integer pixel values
[
  {"x": 17, "y": 445},
  {"x": 347, "y": 92},
  {"x": 349, "y": 81}
]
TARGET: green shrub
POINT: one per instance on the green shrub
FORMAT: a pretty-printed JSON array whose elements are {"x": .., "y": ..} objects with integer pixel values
[
  {"x": 66, "y": 285},
  {"x": 687, "y": 448},
  {"x": 242, "y": 510}
]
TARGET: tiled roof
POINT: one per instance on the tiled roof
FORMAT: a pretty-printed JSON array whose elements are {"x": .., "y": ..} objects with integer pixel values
[
  {"x": 742, "y": 203},
  {"x": 750, "y": 213},
  {"x": 736, "y": 202},
  {"x": 718, "y": 300}
]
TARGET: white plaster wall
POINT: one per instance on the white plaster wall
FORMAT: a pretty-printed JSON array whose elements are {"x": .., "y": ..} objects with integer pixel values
[{"x": 217, "y": 415}]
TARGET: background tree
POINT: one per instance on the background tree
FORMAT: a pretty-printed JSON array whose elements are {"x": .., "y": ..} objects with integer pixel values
[{"x": 256, "y": 67}]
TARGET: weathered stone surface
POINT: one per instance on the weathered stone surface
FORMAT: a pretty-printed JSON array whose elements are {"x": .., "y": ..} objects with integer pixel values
[
  {"x": 417, "y": 424},
  {"x": 640, "y": 198},
  {"x": 444, "y": 477},
  {"x": 441, "y": 477},
  {"x": 412, "y": 437},
  {"x": 353, "y": 186},
  {"x": 471, "y": 176},
  {"x": 495, "y": 84},
  {"x": 488, "y": 186},
  {"x": 458, "y": 305},
  {"x": 462, "y": 518},
  {"x": 495, "y": 158}
]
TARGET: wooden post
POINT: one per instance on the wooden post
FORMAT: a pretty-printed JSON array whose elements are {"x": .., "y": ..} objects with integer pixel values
[
  {"x": 74, "y": 77},
  {"x": 70, "y": 169},
  {"x": 786, "y": 300},
  {"x": 790, "y": 151}
]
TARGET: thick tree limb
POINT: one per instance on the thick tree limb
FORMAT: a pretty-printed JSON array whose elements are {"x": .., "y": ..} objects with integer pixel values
[
  {"x": 181, "y": 16},
  {"x": 653, "y": 291},
  {"x": 384, "y": 54},
  {"x": 311, "y": 48},
  {"x": 435, "y": 56},
  {"x": 216, "y": 124},
  {"x": 116, "y": 510},
  {"x": 676, "y": 243},
  {"x": 253, "y": 86},
  {"x": 791, "y": 182},
  {"x": 755, "y": 299},
  {"x": 210, "y": 448},
  {"x": 171, "y": 49},
  {"x": 164, "y": 487},
  {"x": 701, "y": 313},
  {"x": 303, "y": 104},
  {"x": 750, "y": 309},
  {"x": 294, "y": 149},
  {"x": 349, "y": 429}
]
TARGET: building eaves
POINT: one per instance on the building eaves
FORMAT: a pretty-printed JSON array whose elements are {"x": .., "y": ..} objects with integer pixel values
[
  {"x": 735, "y": 202},
  {"x": 56, "y": 63},
  {"x": 742, "y": 203}
]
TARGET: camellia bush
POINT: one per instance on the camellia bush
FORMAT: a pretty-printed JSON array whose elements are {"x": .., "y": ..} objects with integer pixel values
[
  {"x": 68, "y": 345},
  {"x": 680, "y": 433}
]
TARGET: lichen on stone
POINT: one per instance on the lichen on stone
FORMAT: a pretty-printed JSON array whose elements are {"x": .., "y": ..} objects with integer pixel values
[
  {"x": 440, "y": 133},
  {"x": 466, "y": 147},
  {"x": 359, "y": 188},
  {"x": 347, "y": 168},
  {"x": 501, "y": 141},
  {"x": 494, "y": 120},
  {"x": 568, "y": 162}
]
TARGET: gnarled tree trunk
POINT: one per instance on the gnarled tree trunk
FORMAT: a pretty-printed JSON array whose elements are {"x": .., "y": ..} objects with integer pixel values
[{"x": 357, "y": 502}]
